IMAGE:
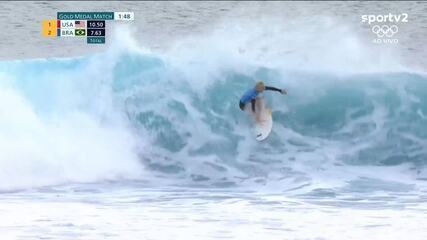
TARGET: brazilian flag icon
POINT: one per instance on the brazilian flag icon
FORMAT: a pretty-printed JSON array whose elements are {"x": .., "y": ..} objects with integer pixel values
[{"x": 80, "y": 32}]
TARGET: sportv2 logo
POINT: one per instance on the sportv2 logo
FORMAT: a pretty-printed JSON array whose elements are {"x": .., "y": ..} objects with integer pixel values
[{"x": 383, "y": 31}]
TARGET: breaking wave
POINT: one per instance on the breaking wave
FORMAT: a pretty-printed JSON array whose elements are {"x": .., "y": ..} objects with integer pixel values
[{"x": 173, "y": 117}]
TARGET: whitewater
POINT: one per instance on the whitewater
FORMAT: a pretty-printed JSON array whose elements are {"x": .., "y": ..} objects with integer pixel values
[{"x": 135, "y": 143}]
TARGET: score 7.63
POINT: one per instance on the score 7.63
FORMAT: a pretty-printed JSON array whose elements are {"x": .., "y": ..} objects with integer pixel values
[{"x": 96, "y": 32}]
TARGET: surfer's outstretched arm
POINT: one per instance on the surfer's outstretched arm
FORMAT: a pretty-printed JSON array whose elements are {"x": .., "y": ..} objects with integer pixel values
[{"x": 282, "y": 91}]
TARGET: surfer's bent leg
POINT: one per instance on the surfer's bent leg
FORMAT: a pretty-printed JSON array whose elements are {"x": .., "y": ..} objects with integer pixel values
[{"x": 253, "y": 105}]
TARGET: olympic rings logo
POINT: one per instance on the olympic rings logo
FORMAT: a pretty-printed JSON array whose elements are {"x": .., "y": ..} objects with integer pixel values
[{"x": 385, "y": 30}]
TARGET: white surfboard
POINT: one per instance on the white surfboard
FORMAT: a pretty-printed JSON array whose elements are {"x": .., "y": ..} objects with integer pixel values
[{"x": 262, "y": 128}]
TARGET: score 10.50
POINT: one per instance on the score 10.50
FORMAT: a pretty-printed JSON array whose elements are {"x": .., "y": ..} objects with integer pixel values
[{"x": 95, "y": 24}]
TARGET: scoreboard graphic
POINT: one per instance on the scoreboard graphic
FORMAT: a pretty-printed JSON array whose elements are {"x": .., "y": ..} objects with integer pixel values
[{"x": 89, "y": 25}]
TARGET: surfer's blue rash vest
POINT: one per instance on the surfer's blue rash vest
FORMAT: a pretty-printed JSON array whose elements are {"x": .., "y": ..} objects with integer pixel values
[{"x": 249, "y": 95}]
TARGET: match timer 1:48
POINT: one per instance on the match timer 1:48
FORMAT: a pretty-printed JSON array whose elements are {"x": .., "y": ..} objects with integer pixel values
[{"x": 124, "y": 16}]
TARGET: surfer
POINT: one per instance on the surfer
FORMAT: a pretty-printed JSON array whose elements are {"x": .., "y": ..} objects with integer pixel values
[{"x": 252, "y": 94}]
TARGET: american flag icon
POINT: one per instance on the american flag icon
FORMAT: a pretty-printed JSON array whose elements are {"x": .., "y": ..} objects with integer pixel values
[{"x": 80, "y": 24}]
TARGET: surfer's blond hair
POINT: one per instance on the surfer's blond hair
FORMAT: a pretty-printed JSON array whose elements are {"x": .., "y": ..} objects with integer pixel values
[{"x": 260, "y": 86}]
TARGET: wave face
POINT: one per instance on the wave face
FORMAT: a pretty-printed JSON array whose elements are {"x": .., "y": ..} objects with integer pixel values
[{"x": 129, "y": 113}]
